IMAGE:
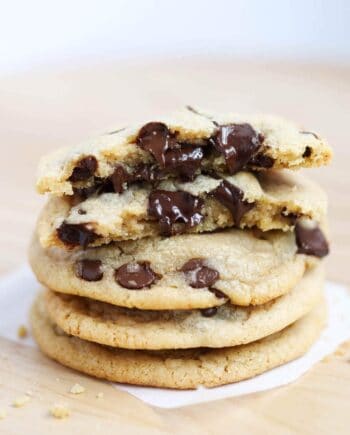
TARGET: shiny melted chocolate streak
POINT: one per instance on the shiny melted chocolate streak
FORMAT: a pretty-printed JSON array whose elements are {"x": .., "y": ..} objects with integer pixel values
[
  {"x": 231, "y": 197},
  {"x": 198, "y": 275},
  {"x": 76, "y": 234},
  {"x": 89, "y": 270},
  {"x": 135, "y": 276},
  {"x": 156, "y": 138},
  {"x": 237, "y": 143},
  {"x": 170, "y": 208},
  {"x": 311, "y": 241},
  {"x": 85, "y": 169}
]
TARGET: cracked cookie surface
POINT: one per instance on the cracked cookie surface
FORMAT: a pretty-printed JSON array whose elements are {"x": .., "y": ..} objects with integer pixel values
[{"x": 269, "y": 200}]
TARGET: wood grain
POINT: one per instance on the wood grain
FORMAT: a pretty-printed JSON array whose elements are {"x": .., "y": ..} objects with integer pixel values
[{"x": 43, "y": 110}]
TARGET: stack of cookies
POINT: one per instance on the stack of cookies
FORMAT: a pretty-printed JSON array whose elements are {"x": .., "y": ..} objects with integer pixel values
[{"x": 183, "y": 251}]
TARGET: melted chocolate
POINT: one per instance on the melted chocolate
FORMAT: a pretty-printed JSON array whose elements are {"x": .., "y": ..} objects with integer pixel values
[
  {"x": 198, "y": 275},
  {"x": 156, "y": 138},
  {"x": 119, "y": 179},
  {"x": 89, "y": 270},
  {"x": 237, "y": 143},
  {"x": 261, "y": 160},
  {"x": 231, "y": 197},
  {"x": 209, "y": 312},
  {"x": 184, "y": 161},
  {"x": 76, "y": 234},
  {"x": 171, "y": 208},
  {"x": 84, "y": 169},
  {"x": 135, "y": 276},
  {"x": 310, "y": 240}
]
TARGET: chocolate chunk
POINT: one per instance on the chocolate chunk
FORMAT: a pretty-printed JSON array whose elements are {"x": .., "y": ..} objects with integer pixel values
[
  {"x": 119, "y": 179},
  {"x": 89, "y": 270},
  {"x": 84, "y": 169},
  {"x": 171, "y": 208},
  {"x": 81, "y": 211},
  {"x": 135, "y": 276},
  {"x": 261, "y": 160},
  {"x": 156, "y": 138},
  {"x": 307, "y": 152},
  {"x": 231, "y": 197},
  {"x": 310, "y": 239},
  {"x": 237, "y": 143},
  {"x": 198, "y": 275},
  {"x": 209, "y": 312},
  {"x": 310, "y": 132},
  {"x": 76, "y": 234},
  {"x": 184, "y": 161}
]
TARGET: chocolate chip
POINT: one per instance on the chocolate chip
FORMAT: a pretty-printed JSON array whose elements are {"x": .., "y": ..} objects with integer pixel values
[
  {"x": 310, "y": 239},
  {"x": 184, "y": 160},
  {"x": 209, "y": 312},
  {"x": 307, "y": 152},
  {"x": 171, "y": 208},
  {"x": 155, "y": 138},
  {"x": 198, "y": 275},
  {"x": 310, "y": 132},
  {"x": 218, "y": 293},
  {"x": 76, "y": 234},
  {"x": 84, "y": 169},
  {"x": 89, "y": 270},
  {"x": 119, "y": 179},
  {"x": 231, "y": 197},
  {"x": 81, "y": 211},
  {"x": 261, "y": 160},
  {"x": 237, "y": 143},
  {"x": 134, "y": 276}
]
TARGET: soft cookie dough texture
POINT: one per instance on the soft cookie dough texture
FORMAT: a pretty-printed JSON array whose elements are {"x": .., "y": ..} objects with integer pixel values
[
  {"x": 277, "y": 198},
  {"x": 288, "y": 145}
]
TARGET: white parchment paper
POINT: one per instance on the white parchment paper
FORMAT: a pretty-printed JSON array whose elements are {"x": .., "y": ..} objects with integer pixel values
[{"x": 17, "y": 292}]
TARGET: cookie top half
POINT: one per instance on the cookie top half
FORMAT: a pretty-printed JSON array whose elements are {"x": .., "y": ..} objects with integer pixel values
[{"x": 183, "y": 146}]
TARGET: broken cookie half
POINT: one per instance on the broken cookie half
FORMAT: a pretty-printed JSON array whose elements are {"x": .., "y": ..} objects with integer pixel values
[{"x": 181, "y": 147}]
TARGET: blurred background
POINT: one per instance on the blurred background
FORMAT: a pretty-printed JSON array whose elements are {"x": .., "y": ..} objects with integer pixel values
[{"x": 71, "y": 69}]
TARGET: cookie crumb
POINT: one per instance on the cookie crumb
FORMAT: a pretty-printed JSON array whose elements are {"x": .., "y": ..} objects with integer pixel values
[
  {"x": 22, "y": 331},
  {"x": 20, "y": 401},
  {"x": 59, "y": 411},
  {"x": 99, "y": 395},
  {"x": 3, "y": 414},
  {"x": 77, "y": 389}
]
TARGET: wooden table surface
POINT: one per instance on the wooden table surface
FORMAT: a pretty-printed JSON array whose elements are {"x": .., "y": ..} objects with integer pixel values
[{"x": 40, "y": 111}]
